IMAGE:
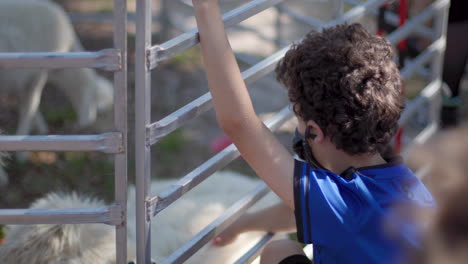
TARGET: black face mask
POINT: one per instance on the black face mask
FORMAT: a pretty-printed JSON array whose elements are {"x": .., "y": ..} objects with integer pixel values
[{"x": 302, "y": 148}]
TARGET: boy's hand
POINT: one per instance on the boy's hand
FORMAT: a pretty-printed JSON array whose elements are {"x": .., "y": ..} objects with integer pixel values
[{"x": 229, "y": 234}]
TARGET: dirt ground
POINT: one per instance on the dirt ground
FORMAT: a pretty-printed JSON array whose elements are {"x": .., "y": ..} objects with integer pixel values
[{"x": 174, "y": 84}]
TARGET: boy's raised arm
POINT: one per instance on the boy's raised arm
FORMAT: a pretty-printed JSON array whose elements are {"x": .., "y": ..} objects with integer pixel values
[{"x": 234, "y": 109}]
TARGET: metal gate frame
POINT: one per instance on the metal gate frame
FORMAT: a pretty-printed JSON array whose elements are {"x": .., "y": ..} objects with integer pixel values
[
  {"x": 149, "y": 56},
  {"x": 114, "y": 60}
]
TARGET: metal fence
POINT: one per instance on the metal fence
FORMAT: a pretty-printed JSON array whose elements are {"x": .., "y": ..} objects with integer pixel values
[
  {"x": 114, "y": 142},
  {"x": 148, "y": 57}
]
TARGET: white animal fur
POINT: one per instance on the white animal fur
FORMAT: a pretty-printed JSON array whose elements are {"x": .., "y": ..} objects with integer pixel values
[
  {"x": 60, "y": 244},
  {"x": 42, "y": 26},
  {"x": 170, "y": 229}
]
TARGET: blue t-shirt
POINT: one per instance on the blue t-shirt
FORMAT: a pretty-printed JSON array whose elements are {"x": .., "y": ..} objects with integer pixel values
[{"x": 344, "y": 216}]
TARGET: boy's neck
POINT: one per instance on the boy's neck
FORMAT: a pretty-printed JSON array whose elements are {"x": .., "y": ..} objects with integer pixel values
[{"x": 342, "y": 161}]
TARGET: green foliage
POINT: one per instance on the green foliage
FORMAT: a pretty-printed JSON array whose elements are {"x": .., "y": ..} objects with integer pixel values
[
  {"x": 87, "y": 173},
  {"x": 2, "y": 232},
  {"x": 187, "y": 60},
  {"x": 58, "y": 115},
  {"x": 172, "y": 143}
]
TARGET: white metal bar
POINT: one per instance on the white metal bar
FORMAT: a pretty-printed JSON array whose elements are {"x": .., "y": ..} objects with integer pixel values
[
  {"x": 411, "y": 25},
  {"x": 102, "y": 18},
  {"x": 212, "y": 230},
  {"x": 107, "y": 143},
  {"x": 440, "y": 31},
  {"x": 394, "y": 20},
  {"x": 356, "y": 12},
  {"x": 423, "y": 172},
  {"x": 419, "y": 30},
  {"x": 142, "y": 118},
  {"x": 106, "y": 215},
  {"x": 195, "y": 177},
  {"x": 425, "y": 96},
  {"x": 120, "y": 124},
  {"x": 427, "y": 133},
  {"x": 310, "y": 21},
  {"x": 189, "y": 39},
  {"x": 204, "y": 103},
  {"x": 254, "y": 252},
  {"x": 108, "y": 59},
  {"x": 422, "y": 58}
]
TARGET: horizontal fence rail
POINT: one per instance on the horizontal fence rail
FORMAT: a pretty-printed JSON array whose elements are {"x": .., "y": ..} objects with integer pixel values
[
  {"x": 102, "y": 18},
  {"x": 204, "y": 103},
  {"x": 195, "y": 177},
  {"x": 423, "y": 58},
  {"x": 108, "y": 59},
  {"x": 394, "y": 20},
  {"x": 108, "y": 143},
  {"x": 425, "y": 96},
  {"x": 311, "y": 21},
  {"x": 187, "y": 40},
  {"x": 217, "y": 226},
  {"x": 254, "y": 252},
  {"x": 410, "y": 26},
  {"x": 111, "y": 215}
]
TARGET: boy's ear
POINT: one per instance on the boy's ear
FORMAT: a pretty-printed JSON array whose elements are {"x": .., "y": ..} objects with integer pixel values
[{"x": 316, "y": 130}]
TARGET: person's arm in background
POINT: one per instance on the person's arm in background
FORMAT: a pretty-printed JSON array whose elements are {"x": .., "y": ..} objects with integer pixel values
[
  {"x": 234, "y": 109},
  {"x": 275, "y": 219}
]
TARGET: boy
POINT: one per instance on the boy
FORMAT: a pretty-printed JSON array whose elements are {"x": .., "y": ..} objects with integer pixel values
[{"x": 345, "y": 91}]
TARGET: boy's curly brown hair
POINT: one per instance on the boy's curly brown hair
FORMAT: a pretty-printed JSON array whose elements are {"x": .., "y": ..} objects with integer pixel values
[{"x": 345, "y": 80}]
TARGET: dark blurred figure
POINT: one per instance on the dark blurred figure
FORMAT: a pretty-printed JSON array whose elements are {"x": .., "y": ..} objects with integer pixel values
[
  {"x": 446, "y": 233},
  {"x": 456, "y": 55}
]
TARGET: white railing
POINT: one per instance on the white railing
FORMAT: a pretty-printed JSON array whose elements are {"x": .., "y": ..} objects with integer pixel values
[
  {"x": 148, "y": 57},
  {"x": 114, "y": 142}
]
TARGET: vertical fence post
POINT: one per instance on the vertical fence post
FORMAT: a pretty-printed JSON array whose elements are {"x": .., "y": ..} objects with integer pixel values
[
  {"x": 142, "y": 118},
  {"x": 279, "y": 25},
  {"x": 440, "y": 31},
  {"x": 120, "y": 123},
  {"x": 338, "y": 8}
]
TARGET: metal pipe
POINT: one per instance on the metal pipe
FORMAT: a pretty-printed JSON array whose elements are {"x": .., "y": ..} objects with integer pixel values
[
  {"x": 195, "y": 177},
  {"x": 426, "y": 95},
  {"x": 108, "y": 59},
  {"x": 120, "y": 124},
  {"x": 410, "y": 26},
  {"x": 189, "y": 39},
  {"x": 254, "y": 252},
  {"x": 422, "y": 58},
  {"x": 108, "y": 143},
  {"x": 110, "y": 215},
  {"x": 217, "y": 226},
  {"x": 310, "y": 21},
  {"x": 204, "y": 103},
  {"x": 393, "y": 20},
  {"x": 142, "y": 117}
]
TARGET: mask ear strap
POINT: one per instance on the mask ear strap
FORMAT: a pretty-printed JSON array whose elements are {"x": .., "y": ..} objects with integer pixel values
[
  {"x": 307, "y": 133},
  {"x": 310, "y": 156}
]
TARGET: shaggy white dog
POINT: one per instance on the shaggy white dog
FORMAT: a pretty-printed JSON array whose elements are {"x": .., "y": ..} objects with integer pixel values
[
  {"x": 70, "y": 244},
  {"x": 42, "y": 26}
]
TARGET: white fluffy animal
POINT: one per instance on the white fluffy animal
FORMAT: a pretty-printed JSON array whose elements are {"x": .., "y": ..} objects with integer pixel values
[
  {"x": 70, "y": 244},
  {"x": 42, "y": 26}
]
